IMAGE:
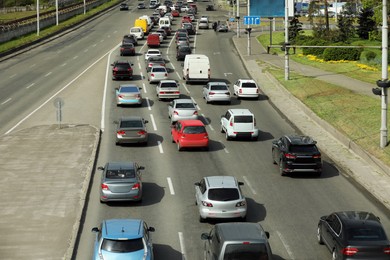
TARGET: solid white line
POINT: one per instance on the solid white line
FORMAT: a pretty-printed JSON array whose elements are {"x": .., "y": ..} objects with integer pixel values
[
  {"x": 226, "y": 150},
  {"x": 170, "y": 186},
  {"x": 182, "y": 246},
  {"x": 286, "y": 246},
  {"x": 48, "y": 74},
  {"x": 160, "y": 147},
  {"x": 94, "y": 45},
  {"x": 147, "y": 102},
  {"x": 13, "y": 76},
  {"x": 193, "y": 100},
  {"x": 142, "y": 76},
  {"x": 6, "y": 101},
  {"x": 178, "y": 75},
  {"x": 144, "y": 87},
  {"x": 32, "y": 66},
  {"x": 153, "y": 123},
  {"x": 207, "y": 122},
  {"x": 139, "y": 66},
  {"x": 86, "y": 50},
  {"x": 247, "y": 183},
  {"x": 173, "y": 67},
  {"x": 63, "y": 64},
  {"x": 29, "y": 86},
  {"x": 75, "y": 57}
]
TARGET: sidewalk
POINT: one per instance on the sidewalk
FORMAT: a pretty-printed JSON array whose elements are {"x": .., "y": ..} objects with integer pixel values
[{"x": 372, "y": 174}]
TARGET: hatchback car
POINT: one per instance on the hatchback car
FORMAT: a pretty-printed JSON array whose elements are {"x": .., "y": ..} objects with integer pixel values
[
  {"x": 123, "y": 7},
  {"x": 184, "y": 41},
  {"x": 121, "y": 181},
  {"x": 353, "y": 235},
  {"x": 239, "y": 123},
  {"x": 296, "y": 153},
  {"x": 131, "y": 129},
  {"x": 123, "y": 239},
  {"x": 246, "y": 88},
  {"x": 127, "y": 49},
  {"x": 182, "y": 51},
  {"x": 157, "y": 73},
  {"x": 141, "y": 5},
  {"x": 122, "y": 70},
  {"x": 190, "y": 28},
  {"x": 152, "y": 52},
  {"x": 220, "y": 197},
  {"x": 128, "y": 95},
  {"x": 137, "y": 32},
  {"x": 130, "y": 38},
  {"x": 167, "y": 89},
  {"x": 154, "y": 61},
  {"x": 189, "y": 134},
  {"x": 216, "y": 92},
  {"x": 182, "y": 109}
]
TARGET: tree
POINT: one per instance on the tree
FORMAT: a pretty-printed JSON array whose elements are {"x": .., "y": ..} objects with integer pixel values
[
  {"x": 345, "y": 24},
  {"x": 366, "y": 23},
  {"x": 294, "y": 29}
]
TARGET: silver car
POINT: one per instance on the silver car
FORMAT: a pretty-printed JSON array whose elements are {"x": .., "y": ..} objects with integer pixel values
[
  {"x": 181, "y": 109},
  {"x": 216, "y": 92},
  {"x": 157, "y": 73},
  {"x": 152, "y": 52},
  {"x": 128, "y": 95},
  {"x": 220, "y": 197},
  {"x": 168, "y": 89},
  {"x": 121, "y": 181},
  {"x": 131, "y": 129},
  {"x": 153, "y": 61}
]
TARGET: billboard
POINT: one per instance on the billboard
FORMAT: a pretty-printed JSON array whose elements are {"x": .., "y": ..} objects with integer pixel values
[{"x": 270, "y": 8}]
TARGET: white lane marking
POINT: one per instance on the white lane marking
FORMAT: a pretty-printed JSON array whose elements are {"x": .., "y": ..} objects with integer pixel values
[
  {"x": 144, "y": 87},
  {"x": 153, "y": 123},
  {"x": 173, "y": 67},
  {"x": 147, "y": 102},
  {"x": 102, "y": 40},
  {"x": 247, "y": 183},
  {"x": 160, "y": 147},
  {"x": 63, "y": 64},
  {"x": 32, "y": 66},
  {"x": 48, "y": 74},
  {"x": 94, "y": 45},
  {"x": 182, "y": 246},
  {"x": 177, "y": 73},
  {"x": 6, "y": 101},
  {"x": 227, "y": 73},
  {"x": 75, "y": 57},
  {"x": 186, "y": 88},
  {"x": 193, "y": 100},
  {"x": 170, "y": 186},
  {"x": 13, "y": 76},
  {"x": 286, "y": 246},
  {"x": 142, "y": 75},
  {"x": 86, "y": 50},
  {"x": 29, "y": 86},
  {"x": 226, "y": 150},
  {"x": 207, "y": 122},
  {"x": 139, "y": 66}
]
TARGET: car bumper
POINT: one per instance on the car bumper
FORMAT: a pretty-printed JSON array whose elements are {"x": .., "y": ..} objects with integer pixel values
[
  {"x": 248, "y": 134},
  {"x": 193, "y": 143},
  {"x": 290, "y": 168},
  {"x": 156, "y": 80},
  {"x": 176, "y": 118},
  {"x": 131, "y": 140},
  {"x": 209, "y": 213},
  {"x": 169, "y": 96},
  {"x": 219, "y": 99},
  {"x": 127, "y": 196},
  {"x": 248, "y": 95}
]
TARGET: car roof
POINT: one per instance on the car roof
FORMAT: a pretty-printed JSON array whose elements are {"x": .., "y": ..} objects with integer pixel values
[
  {"x": 191, "y": 122},
  {"x": 241, "y": 231},
  {"x": 240, "y": 111},
  {"x": 122, "y": 228},
  {"x": 183, "y": 100},
  {"x": 300, "y": 140},
  {"x": 352, "y": 218},
  {"x": 168, "y": 81},
  {"x": 217, "y": 83},
  {"x": 247, "y": 80},
  {"x": 129, "y": 86},
  {"x": 221, "y": 182},
  {"x": 120, "y": 165}
]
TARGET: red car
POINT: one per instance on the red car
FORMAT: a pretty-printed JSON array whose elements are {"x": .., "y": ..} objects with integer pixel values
[
  {"x": 175, "y": 13},
  {"x": 186, "y": 19},
  {"x": 190, "y": 133}
]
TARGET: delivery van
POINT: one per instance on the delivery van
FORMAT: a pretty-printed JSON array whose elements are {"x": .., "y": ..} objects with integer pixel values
[
  {"x": 196, "y": 67},
  {"x": 164, "y": 21},
  {"x": 143, "y": 24},
  {"x": 153, "y": 40}
]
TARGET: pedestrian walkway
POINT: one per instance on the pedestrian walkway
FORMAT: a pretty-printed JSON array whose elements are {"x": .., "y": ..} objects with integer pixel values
[{"x": 372, "y": 174}]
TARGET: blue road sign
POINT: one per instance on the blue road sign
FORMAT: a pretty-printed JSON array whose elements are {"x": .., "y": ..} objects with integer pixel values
[{"x": 250, "y": 20}]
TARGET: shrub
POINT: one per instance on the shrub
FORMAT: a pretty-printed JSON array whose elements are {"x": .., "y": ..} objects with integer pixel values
[
  {"x": 313, "y": 50},
  {"x": 367, "y": 55},
  {"x": 341, "y": 54}
]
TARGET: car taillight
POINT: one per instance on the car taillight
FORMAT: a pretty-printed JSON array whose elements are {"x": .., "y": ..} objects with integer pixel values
[
  {"x": 177, "y": 92},
  {"x": 122, "y": 49},
  {"x": 120, "y": 96},
  {"x": 129, "y": 69},
  {"x": 175, "y": 112},
  {"x": 231, "y": 123},
  {"x": 136, "y": 186},
  {"x": 152, "y": 74},
  {"x": 196, "y": 112},
  {"x": 104, "y": 187},
  {"x": 257, "y": 90},
  {"x": 150, "y": 64},
  {"x": 349, "y": 251},
  {"x": 211, "y": 93},
  {"x": 317, "y": 156},
  {"x": 241, "y": 204},
  {"x": 207, "y": 204},
  {"x": 240, "y": 90},
  {"x": 142, "y": 132},
  {"x": 290, "y": 156},
  {"x": 386, "y": 250},
  {"x": 120, "y": 132},
  {"x": 161, "y": 92},
  {"x": 115, "y": 69},
  {"x": 138, "y": 96}
]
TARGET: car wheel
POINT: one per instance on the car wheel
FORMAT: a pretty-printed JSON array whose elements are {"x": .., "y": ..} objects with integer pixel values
[
  {"x": 334, "y": 254},
  {"x": 273, "y": 159},
  {"x": 227, "y": 136},
  {"x": 202, "y": 220},
  {"x": 173, "y": 141},
  {"x": 222, "y": 131},
  {"x": 281, "y": 171},
  {"x": 179, "y": 148},
  {"x": 319, "y": 237}
]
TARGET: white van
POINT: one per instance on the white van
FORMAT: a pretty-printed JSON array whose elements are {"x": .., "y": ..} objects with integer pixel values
[
  {"x": 196, "y": 67},
  {"x": 164, "y": 21},
  {"x": 137, "y": 32}
]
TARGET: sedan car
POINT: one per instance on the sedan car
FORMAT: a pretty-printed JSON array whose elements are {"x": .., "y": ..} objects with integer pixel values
[
  {"x": 182, "y": 51},
  {"x": 130, "y": 38},
  {"x": 190, "y": 134},
  {"x": 152, "y": 52},
  {"x": 157, "y": 73},
  {"x": 353, "y": 235},
  {"x": 216, "y": 92},
  {"x": 123, "y": 239},
  {"x": 122, "y": 70},
  {"x": 121, "y": 181},
  {"x": 154, "y": 61},
  {"x": 127, "y": 49},
  {"x": 220, "y": 197},
  {"x": 222, "y": 28},
  {"x": 167, "y": 89},
  {"x": 182, "y": 109},
  {"x": 123, "y": 7},
  {"x": 128, "y": 95},
  {"x": 131, "y": 129},
  {"x": 141, "y": 5},
  {"x": 190, "y": 28}
]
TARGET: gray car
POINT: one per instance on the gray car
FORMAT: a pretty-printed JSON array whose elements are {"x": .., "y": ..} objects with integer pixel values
[
  {"x": 157, "y": 73},
  {"x": 121, "y": 181},
  {"x": 131, "y": 129},
  {"x": 153, "y": 61},
  {"x": 181, "y": 109},
  {"x": 220, "y": 197},
  {"x": 128, "y": 95},
  {"x": 216, "y": 92}
]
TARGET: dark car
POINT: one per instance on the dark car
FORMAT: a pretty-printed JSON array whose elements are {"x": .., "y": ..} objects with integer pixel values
[
  {"x": 127, "y": 49},
  {"x": 190, "y": 28},
  {"x": 222, "y": 28},
  {"x": 353, "y": 235},
  {"x": 182, "y": 51},
  {"x": 167, "y": 30},
  {"x": 122, "y": 70},
  {"x": 123, "y": 7},
  {"x": 141, "y": 5},
  {"x": 130, "y": 38},
  {"x": 295, "y": 153}
]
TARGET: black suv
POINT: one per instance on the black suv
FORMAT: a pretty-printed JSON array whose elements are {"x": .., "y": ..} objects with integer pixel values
[
  {"x": 122, "y": 70},
  {"x": 130, "y": 38},
  {"x": 295, "y": 153}
]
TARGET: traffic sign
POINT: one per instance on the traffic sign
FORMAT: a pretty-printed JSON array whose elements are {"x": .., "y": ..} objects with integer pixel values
[{"x": 250, "y": 20}]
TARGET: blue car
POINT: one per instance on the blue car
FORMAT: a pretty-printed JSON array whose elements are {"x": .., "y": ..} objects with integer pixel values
[{"x": 123, "y": 239}]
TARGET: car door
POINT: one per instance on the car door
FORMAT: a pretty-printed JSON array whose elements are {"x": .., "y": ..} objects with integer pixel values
[
  {"x": 225, "y": 120},
  {"x": 148, "y": 242},
  {"x": 206, "y": 91},
  {"x": 176, "y": 129},
  {"x": 199, "y": 192},
  {"x": 211, "y": 246},
  {"x": 276, "y": 149},
  {"x": 331, "y": 231},
  {"x": 171, "y": 107}
]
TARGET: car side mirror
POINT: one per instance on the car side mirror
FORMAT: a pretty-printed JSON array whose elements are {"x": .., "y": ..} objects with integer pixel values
[
  {"x": 101, "y": 168},
  {"x": 146, "y": 121},
  {"x": 197, "y": 183},
  {"x": 222, "y": 116},
  {"x": 141, "y": 168},
  {"x": 151, "y": 229},
  {"x": 95, "y": 230},
  {"x": 240, "y": 183},
  {"x": 267, "y": 234},
  {"x": 117, "y": 89},
  {"x": 205, "y": 236}
]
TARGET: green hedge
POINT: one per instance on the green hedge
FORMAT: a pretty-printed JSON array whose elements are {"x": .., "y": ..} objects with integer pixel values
[{"x": 341, "y": 54}]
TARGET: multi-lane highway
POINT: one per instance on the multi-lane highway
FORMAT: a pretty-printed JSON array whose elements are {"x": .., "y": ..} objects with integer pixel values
[{"x": 76, "y": 67}]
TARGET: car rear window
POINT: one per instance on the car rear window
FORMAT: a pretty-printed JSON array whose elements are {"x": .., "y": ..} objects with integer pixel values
[
  {"x": 218, "y": 87},
  {"x": 168, "y": 85},
  {"x": 185, "y": 105},
  {"x": 132, "y": 123},
  {"x": 366, "y": 233},
  {"x": 128, "y": 89},
  {"x": 243, "y": 119},
  {"x": 248, "y": 85},
  {"x": 159, "y": 69},
  {"x": 223, "y": 194},
  {"x": 303, "y": 149},
  {"x": 120, "y": 174},
  {"x": 122, "y": 246},
  {"x": 251, "y": 251},
  {"x": 194, "y": 130},
  {"x": 123, "y": 66}
]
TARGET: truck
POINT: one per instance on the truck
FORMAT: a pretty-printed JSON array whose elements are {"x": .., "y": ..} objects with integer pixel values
[{"x": 196, "y": 67}]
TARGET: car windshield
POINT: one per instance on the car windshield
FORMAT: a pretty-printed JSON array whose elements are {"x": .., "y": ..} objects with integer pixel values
[
  {"x": 303, "y": 149},
  {"x": 247, "y": 251},
  {"x": 128, "y": 89},
  {"x": 366, "y": 233},
  {"x": 131, "y": 123},
  {"x": 122, "y": 246},
  {"x": 218, "y": 87},
  {"x": 248, "y": 85},
  {"x": 185, "y": 105},
  {"x": 120, "y": 174},
  {"x": 243, "y": 119},
  {"x": 224, "y": 194},
  {"x": 194, "y": 130}
]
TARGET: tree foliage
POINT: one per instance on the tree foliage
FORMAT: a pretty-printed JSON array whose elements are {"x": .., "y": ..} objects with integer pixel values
[{"x": 366, "y": 23}]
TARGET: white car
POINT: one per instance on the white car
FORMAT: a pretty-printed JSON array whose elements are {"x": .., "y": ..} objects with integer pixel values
[
  {"x": 182, "y": 109},
  {"x": 137, "y": 32},
  {"x": 246, "y": 88},
  {"x": 157, "y": 73},
  {"x": 239, "y": 123},
  {"x": 152, "y": 52},
  {"x": 168, "y": 89},
  {"x": 216, "y": 92}
]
